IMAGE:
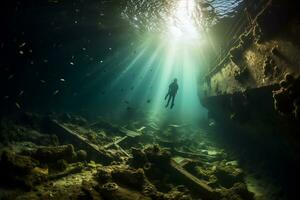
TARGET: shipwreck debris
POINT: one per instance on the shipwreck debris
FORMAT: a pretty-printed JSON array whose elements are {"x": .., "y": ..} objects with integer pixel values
[{"x": 94, "y": 152}]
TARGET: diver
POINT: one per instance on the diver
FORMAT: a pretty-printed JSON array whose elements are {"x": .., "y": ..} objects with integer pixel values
[{"x": 173, "y": 87}]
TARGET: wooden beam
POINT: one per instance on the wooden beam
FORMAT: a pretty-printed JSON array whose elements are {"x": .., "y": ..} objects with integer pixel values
[
  {"x": 65, "y": 134},
  {"x": 192, "y": 182}
]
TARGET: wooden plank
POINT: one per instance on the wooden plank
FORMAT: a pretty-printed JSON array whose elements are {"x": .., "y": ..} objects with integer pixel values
[
  {"x": 130, "y": 133},
  {"x": 196, "y": 185},
  {"x": 65, "y": 134},
  {"x": 199, "y": 156},
  {"x": 115, "y": 142}
]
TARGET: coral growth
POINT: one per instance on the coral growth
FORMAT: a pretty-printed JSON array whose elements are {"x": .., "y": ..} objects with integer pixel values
[
  {"x": 19, "y": 171},
  {"x": 286, "y": 99},
  {"x": 52, "y": 154}
]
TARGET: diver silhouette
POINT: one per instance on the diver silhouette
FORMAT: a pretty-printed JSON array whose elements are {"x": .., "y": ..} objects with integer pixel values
[{"x": 173, "y": 87}]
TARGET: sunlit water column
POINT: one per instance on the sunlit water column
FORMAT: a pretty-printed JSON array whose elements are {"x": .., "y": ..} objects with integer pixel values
[{"x": 182, "y": 46}]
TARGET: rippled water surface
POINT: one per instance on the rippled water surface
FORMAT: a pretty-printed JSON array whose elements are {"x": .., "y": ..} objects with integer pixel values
[{"x": 155, "y": 15}]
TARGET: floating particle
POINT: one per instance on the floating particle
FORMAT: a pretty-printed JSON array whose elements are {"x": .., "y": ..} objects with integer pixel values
[
  {"x": 45, "y": 61},
  {"x": 73, "y": 57},
  {"x": 30, "y": 50},
  {"x": 71, "y": 63},
  {"x": 21, "y": 52},
  {"x": 84, "y": 49},
  {"x": 22, "y": 45},
  {"x": 18, "y": 105},
  {"x": 53, "y": 1},
  {"x": 32, "y": 62},
  {"x": 126, "y": 102},
  {"x": 211, "y": 124},
  {"x": 76, "y": 22},
  {"x": 110, "y": 48},
  {"x": 77, "y": 10},
  {"x": 43, "y": 81},
  {"x": 21, "y": 93},
  {"x": 10, "y": 76},
  {"x": 62, "y": 80},
  {"x": 101, "y": 61},
  {"x": 232, "y": 116},
  {"x": 149, "y": 101},
  {"x": 55, "y": 92},
  {"x": 6, "y": 97}
]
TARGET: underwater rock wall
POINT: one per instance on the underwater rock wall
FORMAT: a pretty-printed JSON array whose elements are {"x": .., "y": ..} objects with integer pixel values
[
  {"x": 264, "y": 54},
  {"x": 254, "y": 90}
]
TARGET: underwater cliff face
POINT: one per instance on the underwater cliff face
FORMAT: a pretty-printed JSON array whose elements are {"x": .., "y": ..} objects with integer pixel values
[
  {"x": 257, "y": 82},
  {"x": 84, "y": 91},
  {"x": 254, "y": 88}
]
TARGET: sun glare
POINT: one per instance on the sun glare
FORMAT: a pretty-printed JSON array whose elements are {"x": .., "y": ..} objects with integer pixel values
[{"x": 181, "y": 25}]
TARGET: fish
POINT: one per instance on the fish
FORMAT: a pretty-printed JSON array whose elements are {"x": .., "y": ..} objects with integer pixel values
[
  {"x": 10, "y": 76},
  {"x": 18, "y": 105},
  {"x": 232, "y": 116},
  {"x": 211, "y": 123},
  {"x": 55, "y": 92},
  {"x": 22, "y": 45}
]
